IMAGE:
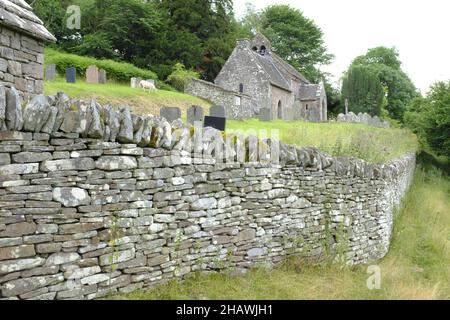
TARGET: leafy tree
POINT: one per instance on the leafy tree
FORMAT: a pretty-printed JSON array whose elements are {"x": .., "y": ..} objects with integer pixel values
[
  {"x": 400, "y": 90},
  {"x": 363, "y": 90},
  {"x": 430, "y": 118},
  {"x": 296, "y": 39},
  {"x": 180, "y": 76}
]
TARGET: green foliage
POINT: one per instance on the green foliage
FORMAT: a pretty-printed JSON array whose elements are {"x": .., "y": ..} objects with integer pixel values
[
  {"x": 119, "y": 71},
  {"x": 149, "y": 34},
  {"x": 385, "y": 63},
  {"x": 363, "y": 90},
  {"x": 296, "y": 39},
  {"x": 430, "y": 118},
  {"x": 180, "y": 76},
  {"x": 338, "y": 139}
]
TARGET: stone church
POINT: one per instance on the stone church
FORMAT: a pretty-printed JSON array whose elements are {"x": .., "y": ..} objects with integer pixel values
[{"x": 256, "y": 81}]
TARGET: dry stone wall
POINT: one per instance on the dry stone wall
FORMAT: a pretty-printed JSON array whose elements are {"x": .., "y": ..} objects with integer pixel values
[{"x": 95, "y": 201}]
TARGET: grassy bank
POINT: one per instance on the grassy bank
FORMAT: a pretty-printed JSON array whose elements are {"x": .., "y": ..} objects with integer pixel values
[
  {"x": 142, "y": 102},
  {"x": 417, "y": 266},
  {"x": 338, "y": 139}
]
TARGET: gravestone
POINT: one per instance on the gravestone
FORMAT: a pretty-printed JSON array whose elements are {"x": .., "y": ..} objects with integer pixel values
[
  {"x": 71, "y": 75},
  {"x": 151, "y": 81},
  {"x": 265, "y": 114},
  {"x": 170, "y": 113},
  {"x": 217, "y": 111},
  {"x": 194, "y": 113},
  {"x": 50, "y": 72},
  {"x": 217, "y": 123},
  {"x": 135, "y": 82},
  {"x": 102, "y": 76},
  {"x": 92, "y": 74},
  {"x": 376, "y": 122}
]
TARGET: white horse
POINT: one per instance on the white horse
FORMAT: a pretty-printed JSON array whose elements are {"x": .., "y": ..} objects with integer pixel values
[{"x": 147, "y": 85}]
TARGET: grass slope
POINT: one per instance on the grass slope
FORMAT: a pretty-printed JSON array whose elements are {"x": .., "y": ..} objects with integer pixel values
[
  {"x": 417, "y": 266},
  {"x": 338, "y": 139},
  {"x": 142, "y": 102}
]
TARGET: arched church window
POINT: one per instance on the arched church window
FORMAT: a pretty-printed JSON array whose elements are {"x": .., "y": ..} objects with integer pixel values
[{"x": 241, "y": 88}]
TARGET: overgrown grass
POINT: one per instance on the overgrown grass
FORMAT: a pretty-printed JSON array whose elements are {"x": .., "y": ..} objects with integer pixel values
[
  {"x": 142, "y": 102},
  {"x": 417, "y": 266},
  {"x": 338, "y": 139}
]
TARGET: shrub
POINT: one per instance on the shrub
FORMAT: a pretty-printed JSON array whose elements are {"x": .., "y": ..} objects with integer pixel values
[
  {"x": 119, "y": 71},
  {"x": 180, "y": 76}
]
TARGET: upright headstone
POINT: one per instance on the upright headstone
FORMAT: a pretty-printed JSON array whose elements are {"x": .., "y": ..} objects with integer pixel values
[
  {"x": 135, "y": 82},
  {"x": 376, "y": 122},
  {"x": 102, "y": 76},
  {"x": 217, "y": 111},
  {"x": 151, "y": 81},
  {"x": 50, "y": 72},
  {"x": 71, "y": 75},
  {"x": 346, "y": 106},
  {"x": 92, "y": 74},
  {"x": 170, "y": 113},
  {"x": 265, "y": 114},
  {"x": 217, "y": 123},
  {"x": 194, "y": 113}
]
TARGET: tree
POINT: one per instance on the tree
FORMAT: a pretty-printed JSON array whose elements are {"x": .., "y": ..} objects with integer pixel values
[
  {"x": 363, "y": 90},
  {"x": 296, "y": 39},
  {"x": 400, "y": 90},
  {"x": 430, "y": 118},
  {"x": 180, "y": 76}
]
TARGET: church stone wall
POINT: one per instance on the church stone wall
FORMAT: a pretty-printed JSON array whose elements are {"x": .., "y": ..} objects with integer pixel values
[
  {"x": 241, "y": 68},
  {"x": 219, "y": 96}
]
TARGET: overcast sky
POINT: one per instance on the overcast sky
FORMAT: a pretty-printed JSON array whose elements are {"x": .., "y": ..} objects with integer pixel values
[{"x": 420, "y": 30}]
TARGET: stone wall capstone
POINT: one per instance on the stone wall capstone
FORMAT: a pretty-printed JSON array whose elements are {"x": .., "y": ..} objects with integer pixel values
[{"x": 176, "y": 207}]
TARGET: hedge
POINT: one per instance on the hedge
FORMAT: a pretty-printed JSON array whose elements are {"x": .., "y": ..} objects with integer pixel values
[{"x": 119, "y": 71}]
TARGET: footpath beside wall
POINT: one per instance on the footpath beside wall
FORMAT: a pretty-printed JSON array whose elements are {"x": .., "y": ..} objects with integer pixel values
[{"x": 94, "y": 201}]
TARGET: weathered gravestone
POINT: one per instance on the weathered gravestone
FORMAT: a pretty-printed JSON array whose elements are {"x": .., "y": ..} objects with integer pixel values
[
  {"x": 135, "y": 82},
  {"x": 102, "y": 76},
  {"x": 376, "y": 122},
  {"x": 92, "y": 74},
  {"x": 71, "y": 75},
  {"x": 50, "y": 72},
  {"x": 265, "y": 114},
  {"x": 194, "y": 113},
  {"x": 151, "y": 81},
  {"x": 217, "y": 123},
  {"x": 170, "y": 113},
  {"x": 217, "y": 111}
]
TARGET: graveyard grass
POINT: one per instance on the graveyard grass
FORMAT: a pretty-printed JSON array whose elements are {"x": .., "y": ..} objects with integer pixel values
[
  {"x": 416, "y": 266},
  {"x": 117, "y": 94},
  {"x": 372, "y": 144},
  {"x": 338, "y": 139}
]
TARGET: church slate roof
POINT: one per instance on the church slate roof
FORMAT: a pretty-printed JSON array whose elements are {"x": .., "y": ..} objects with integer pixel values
[
  {"x": 281, "y": 64},
  {"x": 18, "y": 15},
  {"x": 275, "y": 75}
]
